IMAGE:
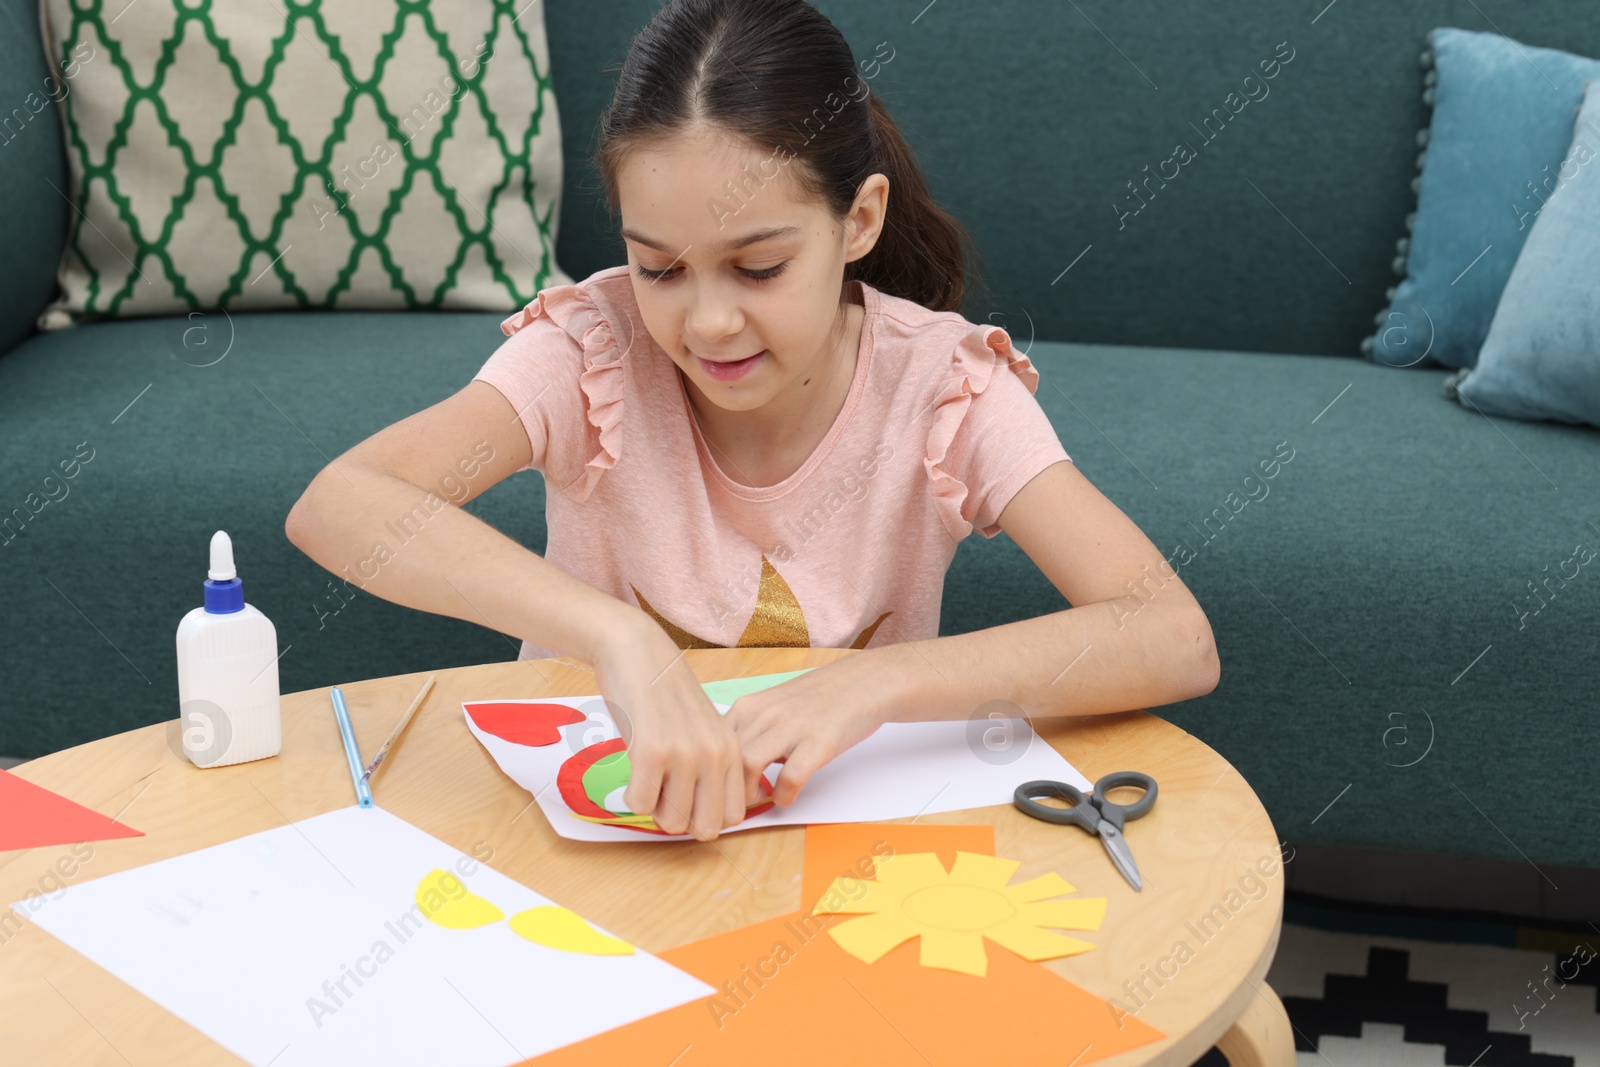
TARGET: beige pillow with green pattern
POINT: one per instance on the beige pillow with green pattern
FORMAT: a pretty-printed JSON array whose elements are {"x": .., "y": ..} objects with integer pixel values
[{"x": 358, "y": 156}]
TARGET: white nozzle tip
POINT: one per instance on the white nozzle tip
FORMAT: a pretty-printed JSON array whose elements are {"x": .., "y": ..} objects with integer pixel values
[{"x": 221, "y": 558}]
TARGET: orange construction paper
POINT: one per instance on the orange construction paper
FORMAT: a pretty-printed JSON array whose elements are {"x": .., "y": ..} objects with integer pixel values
[
  {"x": 31, "y": 816},
  {"x": 788, "y": 991}
]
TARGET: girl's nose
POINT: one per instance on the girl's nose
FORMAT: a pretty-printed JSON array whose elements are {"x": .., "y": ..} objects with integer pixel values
[{"x": 712, "y": 316}]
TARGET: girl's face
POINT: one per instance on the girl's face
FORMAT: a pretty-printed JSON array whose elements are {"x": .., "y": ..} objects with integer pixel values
[{"x": 736, "y": 278}]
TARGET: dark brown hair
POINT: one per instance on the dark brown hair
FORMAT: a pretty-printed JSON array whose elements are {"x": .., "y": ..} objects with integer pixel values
[{"x": 772, "y": 73}]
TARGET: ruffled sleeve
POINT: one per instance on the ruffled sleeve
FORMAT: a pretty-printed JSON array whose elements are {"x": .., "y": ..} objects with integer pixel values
[
  {"x": 571, "y": 310},
  {"x": 989, "y": 436}
]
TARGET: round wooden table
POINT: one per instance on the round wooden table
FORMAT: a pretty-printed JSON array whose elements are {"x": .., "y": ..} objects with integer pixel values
[{"x": 1208, "y": 852}]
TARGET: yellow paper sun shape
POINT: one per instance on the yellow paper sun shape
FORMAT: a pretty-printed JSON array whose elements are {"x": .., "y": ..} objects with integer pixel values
[{"x": 952, "y": 912}]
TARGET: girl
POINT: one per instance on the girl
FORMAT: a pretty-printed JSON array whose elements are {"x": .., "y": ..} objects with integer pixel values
[{"x": 770, "y": 427}]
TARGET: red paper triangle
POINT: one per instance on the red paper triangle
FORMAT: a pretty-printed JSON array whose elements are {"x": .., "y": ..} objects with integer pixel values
[{"x": 31, "y": 816}]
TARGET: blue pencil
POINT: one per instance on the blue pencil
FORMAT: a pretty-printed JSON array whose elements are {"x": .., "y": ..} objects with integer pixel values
[{"x": 363, "y": 794}]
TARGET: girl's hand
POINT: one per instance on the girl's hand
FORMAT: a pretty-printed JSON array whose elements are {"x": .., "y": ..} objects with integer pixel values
[
  {"x": 808, "y": 720},
  {"x": 686, "y": 769}
]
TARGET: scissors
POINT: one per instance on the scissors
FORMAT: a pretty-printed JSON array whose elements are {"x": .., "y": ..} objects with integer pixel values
[{"x": 1095, "y": 813}]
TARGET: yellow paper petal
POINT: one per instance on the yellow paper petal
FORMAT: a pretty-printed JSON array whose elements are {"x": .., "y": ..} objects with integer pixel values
[
  {"x": 1041, "y": 888},
  {"x": 1032, "y": 943},
  {"x": 447, "y": 902},
  {"x": 896, "y": 874},
  {"x": 1083, "y": 914},
  {"x": 908, "y": 869},
  {"x": 954, "y": 951},
  {"x": 972, "y": 868},
  {"x": 852, "y": 899},
  {"x": 564, "y": 929},
  {"x": 871, "y": 937}
]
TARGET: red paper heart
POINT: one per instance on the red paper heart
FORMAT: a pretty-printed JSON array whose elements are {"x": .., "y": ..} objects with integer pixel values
[{"x": 524, "y": 722}]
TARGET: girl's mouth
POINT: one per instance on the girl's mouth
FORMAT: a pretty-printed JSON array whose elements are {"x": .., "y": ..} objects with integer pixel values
[{"x": 730, "y": 372}]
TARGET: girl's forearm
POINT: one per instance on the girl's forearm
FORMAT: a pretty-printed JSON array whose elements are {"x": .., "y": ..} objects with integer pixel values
[
  {"x": 1109, "y": 656},
  {"x": 394, "y": 540}
]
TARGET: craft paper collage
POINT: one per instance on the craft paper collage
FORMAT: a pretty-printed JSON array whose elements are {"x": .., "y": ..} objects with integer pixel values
[
  {"x": 354, "y": 937},
  {"x": 787, "y": 983},
  {"x": 568, "y": 752}
]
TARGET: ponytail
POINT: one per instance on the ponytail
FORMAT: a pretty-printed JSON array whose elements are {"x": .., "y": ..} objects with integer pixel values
[{"x": 922, "y": 250}]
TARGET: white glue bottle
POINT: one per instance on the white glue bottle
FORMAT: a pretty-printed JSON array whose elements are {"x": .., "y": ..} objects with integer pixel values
[{"x": 227, "y": 672}]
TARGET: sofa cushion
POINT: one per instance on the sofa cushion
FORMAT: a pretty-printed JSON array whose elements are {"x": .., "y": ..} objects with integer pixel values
[
  {"x": 1502, "y": 123},
  {"x": 361, "y": 155},
  {"x": 1377, "y": 580},
  {"x": 1541, "y": 359}
]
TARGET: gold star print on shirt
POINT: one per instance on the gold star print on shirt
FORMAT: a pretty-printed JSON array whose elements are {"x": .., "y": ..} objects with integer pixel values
[{"x": 777, "y": 621}]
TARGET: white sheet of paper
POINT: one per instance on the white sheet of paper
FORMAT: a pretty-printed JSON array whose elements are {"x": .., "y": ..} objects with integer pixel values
[
  {"x": 901, "y": 771},
  {"x": 244, "y": 940}
]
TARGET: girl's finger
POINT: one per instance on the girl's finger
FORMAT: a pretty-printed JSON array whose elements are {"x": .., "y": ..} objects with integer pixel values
[
  {"x": 705, "y": 820},
  {"x": 644, "y": 785},
  {"x": 677, "y": 800},
  {"x": 756, "y": 754},
  {"x": 797, "y": 770},
  {"x": 732, "y": 809}
]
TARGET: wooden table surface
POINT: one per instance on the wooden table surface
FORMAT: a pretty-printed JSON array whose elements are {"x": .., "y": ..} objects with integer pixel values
[{"x": 1196, "y": 849}]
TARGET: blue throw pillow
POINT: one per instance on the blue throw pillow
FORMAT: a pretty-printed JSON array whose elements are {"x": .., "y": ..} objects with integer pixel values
[
  {"x": 1502, "y": 122},
  {"x": 1541, "y": 359}
]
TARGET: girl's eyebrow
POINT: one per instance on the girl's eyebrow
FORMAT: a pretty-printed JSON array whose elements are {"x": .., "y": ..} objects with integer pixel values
[{"x": 730, "y": 245}]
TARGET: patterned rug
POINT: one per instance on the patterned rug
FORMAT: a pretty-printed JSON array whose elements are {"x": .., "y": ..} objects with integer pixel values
[{"x": 1369, "y": 987}]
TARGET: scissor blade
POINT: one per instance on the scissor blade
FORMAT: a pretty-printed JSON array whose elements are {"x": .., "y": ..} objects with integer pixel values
[{"x": 1117, "y": 848}]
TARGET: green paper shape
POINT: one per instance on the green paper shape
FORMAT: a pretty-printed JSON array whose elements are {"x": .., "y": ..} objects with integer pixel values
[
  {"x": 606, "y": 776},
  {"x": 731, "y": 689}
]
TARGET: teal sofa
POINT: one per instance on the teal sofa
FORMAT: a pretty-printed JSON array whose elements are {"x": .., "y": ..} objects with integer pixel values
[{"x": 1383, "y": 672}]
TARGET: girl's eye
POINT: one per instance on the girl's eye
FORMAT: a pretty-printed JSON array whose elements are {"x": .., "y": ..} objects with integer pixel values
[
  {"x": 764, "y": 275},
  {"x": 754, "y": 275}
]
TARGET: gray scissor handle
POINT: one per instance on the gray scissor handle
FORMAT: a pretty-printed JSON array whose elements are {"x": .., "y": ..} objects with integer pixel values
[
  {"x": 1082, "y": 813},
  {"x": 1118, "y": 814}
]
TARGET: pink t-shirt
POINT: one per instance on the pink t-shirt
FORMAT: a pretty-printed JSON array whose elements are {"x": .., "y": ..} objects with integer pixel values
[{"x": 939, "y": 430}]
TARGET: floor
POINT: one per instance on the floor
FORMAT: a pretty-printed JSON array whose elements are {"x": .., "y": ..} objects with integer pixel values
[{"x": 1391, "y": 987}]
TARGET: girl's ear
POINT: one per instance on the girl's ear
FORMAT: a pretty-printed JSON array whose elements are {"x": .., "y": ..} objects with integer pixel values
[{"x": 865, "y": 221}]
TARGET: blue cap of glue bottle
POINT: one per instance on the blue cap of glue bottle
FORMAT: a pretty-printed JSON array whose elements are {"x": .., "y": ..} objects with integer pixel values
[{"x": 224, "y": 590}]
